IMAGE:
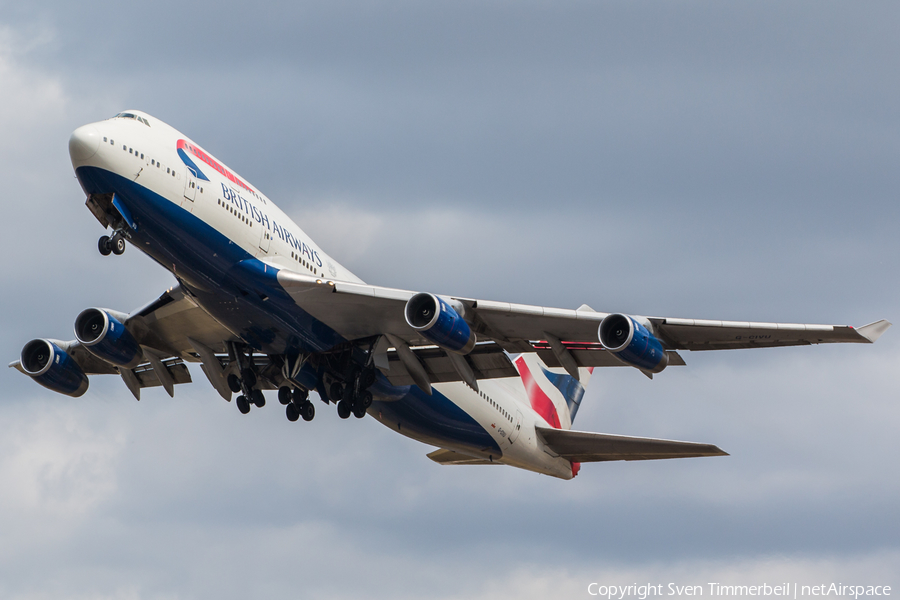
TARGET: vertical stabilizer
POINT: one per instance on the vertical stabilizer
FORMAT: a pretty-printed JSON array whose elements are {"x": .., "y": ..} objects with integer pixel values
[{"x": 552, "y": 393}]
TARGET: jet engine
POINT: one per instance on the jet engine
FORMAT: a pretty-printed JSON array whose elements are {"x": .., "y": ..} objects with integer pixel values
[
  {"x": 104, "y": 336},
  {"x": 439, "y": 322},
  {"x": 52, "y": 367},
  {"x": 632, "y": 343}
]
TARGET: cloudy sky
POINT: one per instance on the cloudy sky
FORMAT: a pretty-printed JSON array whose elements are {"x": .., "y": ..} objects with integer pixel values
[{"x": 690, "y": 159}]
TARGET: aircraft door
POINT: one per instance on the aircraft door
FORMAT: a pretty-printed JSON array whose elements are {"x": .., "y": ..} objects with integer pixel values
[
  {"x": 264, "y": 238},
  {"x": 516, "y": 428},
  {"x": 190, "y": 189}
]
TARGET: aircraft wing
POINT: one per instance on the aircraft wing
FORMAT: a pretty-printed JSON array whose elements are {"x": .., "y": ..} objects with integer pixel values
[
  {"x": 171, "y": 330},
  {"x": 583, "y": 446},
  {"x": 358, "y": 311}
]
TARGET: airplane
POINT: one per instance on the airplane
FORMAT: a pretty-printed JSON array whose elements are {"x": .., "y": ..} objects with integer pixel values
[{"x": 258, "y": 305}]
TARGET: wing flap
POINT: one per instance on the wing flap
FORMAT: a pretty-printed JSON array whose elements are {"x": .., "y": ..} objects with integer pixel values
[
  {"x": 583, "y": 446},
  {"x": 592, "y": 355},
  {"x": 488, "y": 361},
  {"x": 148, "y": 377}
]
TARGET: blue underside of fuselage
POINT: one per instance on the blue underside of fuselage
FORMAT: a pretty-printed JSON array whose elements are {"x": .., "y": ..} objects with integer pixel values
[
  {"x": 236, "y": 288},
  {"x": 433, "y": 419},
  {"x": 243, "y": 293}
]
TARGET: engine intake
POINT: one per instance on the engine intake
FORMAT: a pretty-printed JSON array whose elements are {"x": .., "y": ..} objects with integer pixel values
[
  {"x": 440, "y": 323},
  {"x": 104, "y": 336},
  {"x": 53, "y": 368},
  {"x": 632, "y": 343}
]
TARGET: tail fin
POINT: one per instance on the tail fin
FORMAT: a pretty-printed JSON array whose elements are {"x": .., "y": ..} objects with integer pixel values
[{"x": 552, "y": 393}]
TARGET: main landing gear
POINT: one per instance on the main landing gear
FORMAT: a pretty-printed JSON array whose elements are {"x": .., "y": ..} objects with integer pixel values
[
  {"x": 114, "y": 244},
  {"x": 296, "y": 403},
  {"x": 245, "y": 384},
  {"x": 354, "y": 397}
]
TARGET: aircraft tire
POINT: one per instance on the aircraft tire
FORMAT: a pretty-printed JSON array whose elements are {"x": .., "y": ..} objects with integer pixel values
[
  {"x": 292, "y": 412},
  {"x": 365, "y": 399},
  {"x": 307, "y": 411},
  {"x": 284, "y": 395},
  {"x": 234, "y": 383},
  {"x": 343, "y": 409},
  {"x": 258, "y": 398},
  {"x": 300, "y": 396},
  {"x": 243, "y": 404},
  {"x": 103, "y": 245},
  {"x": 117, "y": 243},
  {"x": 358, "y": 411}
]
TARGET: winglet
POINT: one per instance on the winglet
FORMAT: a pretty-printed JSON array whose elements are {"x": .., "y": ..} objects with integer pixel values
[{"x": 873, "y": 331}]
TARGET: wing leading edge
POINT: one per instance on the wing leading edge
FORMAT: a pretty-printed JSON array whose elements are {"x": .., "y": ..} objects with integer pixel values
[{"x": 583, "y": 446}]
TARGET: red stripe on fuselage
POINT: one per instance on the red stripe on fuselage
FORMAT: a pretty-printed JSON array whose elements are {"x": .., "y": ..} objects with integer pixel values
[
  {"x": 540, "y": 402},
  {"x": 185, "y": 145}
]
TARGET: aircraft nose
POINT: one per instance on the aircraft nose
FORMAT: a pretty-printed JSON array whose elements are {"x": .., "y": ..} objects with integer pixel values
[{"x": 84, "y": 143}]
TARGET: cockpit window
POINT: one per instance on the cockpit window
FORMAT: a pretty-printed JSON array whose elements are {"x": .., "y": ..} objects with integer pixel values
[{"x": 125, "y": 115}]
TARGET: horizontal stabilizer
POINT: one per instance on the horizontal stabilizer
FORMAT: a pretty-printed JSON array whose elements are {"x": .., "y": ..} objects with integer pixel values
[
  {"x": 449, "y": 457},
  {"x": 583, "y": 446},
  {"x": 873, "y": 331}
]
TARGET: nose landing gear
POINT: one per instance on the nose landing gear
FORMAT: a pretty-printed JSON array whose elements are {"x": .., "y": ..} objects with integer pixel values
[{"x": 114, "y": 244}]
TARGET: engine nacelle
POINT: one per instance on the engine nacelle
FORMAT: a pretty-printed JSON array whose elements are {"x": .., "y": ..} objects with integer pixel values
[
  {"x": 53, "y": 368},
  {"x": 632, "y": 343},
  {"x": 439, "y": 323},
  {"x": 104, "y": 336}
]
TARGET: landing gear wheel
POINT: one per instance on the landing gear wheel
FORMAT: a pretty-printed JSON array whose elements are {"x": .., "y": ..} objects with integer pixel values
[
  {"x": 284, "y": 395},
  {"x": 300, "y": 396},
  {"x": 234, "y": 383},
  {"x": 258, "y": 398},
  {"x": 358, "y": 411},
  {"x": 365, "y": 399},
  {"x": 103, "y": 245},
  {"x": 292, "y": 412},
  {"x": 117, "y": 244},
  {"x": 307, "y": 410},
  {"x": 249, "y": 377},
  {"x": 336, "y": 391},
  {"x": 343, "y": 409},
  {"x": 243, "y": 404}
]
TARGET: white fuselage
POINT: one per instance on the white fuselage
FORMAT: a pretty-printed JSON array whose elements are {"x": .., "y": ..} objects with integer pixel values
[{"x": 153, "y": 155}]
